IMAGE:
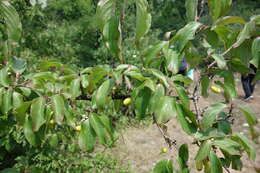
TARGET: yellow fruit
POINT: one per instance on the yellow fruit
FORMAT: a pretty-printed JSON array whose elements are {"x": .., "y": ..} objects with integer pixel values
[
  {"x": 164, "y": 150},
  {"x": 127, "y": 101},
  {"x": 78, "y": 128},
  {"x": 215, "y": 89},
  {"x": 52, "y": 121}
]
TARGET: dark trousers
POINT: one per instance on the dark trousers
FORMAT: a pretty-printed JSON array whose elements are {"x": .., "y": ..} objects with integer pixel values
[{"x": 247, "y": 84}]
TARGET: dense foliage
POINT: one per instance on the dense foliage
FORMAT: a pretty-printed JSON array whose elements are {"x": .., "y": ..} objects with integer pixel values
[{"x": 119, "y": 70}]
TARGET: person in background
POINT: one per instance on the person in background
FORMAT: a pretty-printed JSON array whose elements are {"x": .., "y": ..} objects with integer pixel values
[
  {"x": 183, "y": 69},
  {"x": 247, "y": 82}
]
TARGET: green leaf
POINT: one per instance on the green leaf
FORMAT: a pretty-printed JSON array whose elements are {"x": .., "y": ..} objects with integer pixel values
[
  {"x": 227, "y": 145},
  {"x": 101, "y": 126},
  {"x": 87, "y": 137},
  {"x": 211, "y": 114},
  {"x": 156, "y": 95},
  {"x": 17, "y": 99},
  {"x": 180, "y": 78},
  {"x": 191, "y": 9},
  {"x": 208, "y": 134},
  {"x": 229, "y": 90},
  {"x": 84, "y": 81},
  {"x": 37, "y": 113},
  {"x": 246, "y": 145},
  {"x": 225, "y": 127},
  {"x": 236, "y": 65},
  {"x": 58, "y": 108},
  {"x": 2, "y": 91},
  {"x": 20, "y": 112},
  {"x": 4, "y": 80},
  {"x": 142, "y": 102},
  {"x": 249, "y": 115},
  {"x": 164, "y": 109},
  {"x": 184, "y": 35},
  {"x": 158, "y": 74},
  {"x": 256, "y": 52},
  {"x": 182, "y": 95},
  {"x": 70, "y": 118},
  {"x": 54, "y": 140},
  {"x": 25, "y": 91},
  {"x": 28, "y": 132},
  {"x": 199, "y": 165},
  {"x": 112, "y": 36},
  {"x": 153, "y": 51},
  {"x": 18, "y": 65},
  {"x": 237, "y": 163},
  {"x": 228, "y": 20},
  {"x": 164, "y": 166},
  {"x": 257, "y": 76},
  {"x": 103, "y": 92},
  {"x": 205, "y": 81},
  {"x": 185, "y": 120},
  {"x": 173, "y": 60},
  {"x": 6, "y": 101},
  {"x": 184, "y": 152},
  {"x": 104, "y": 12},
  {"x": 75, "y": 90},
  {"x": 11, "y": 20},
  {"x": 10, "y": 170},
  {"x": 135, "y": 75},
  {"x": 220, "y": 60},
  {"x": 245, "y": 33},
  {"x": 218, "y": 8},
  {"x": 216, "y": 166},
  {"x": 203, "y": 151},
  {"x": 143, "y": 19}
]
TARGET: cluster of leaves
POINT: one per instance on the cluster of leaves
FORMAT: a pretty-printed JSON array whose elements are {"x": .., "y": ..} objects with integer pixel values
[{"x": 43, "y": 104}]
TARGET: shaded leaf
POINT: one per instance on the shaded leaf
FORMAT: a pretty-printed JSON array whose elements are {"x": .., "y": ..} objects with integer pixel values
[
  {"x": 20, "y": 112},
  {"x": 227, "y": 145},
  {"x": 87, "y": 137},
  {"x": 142, "y": 102},
  {"x": 211, "y": 114},
  {"x": 205, "y": 81},
  {"x": 28, "y": 132}
]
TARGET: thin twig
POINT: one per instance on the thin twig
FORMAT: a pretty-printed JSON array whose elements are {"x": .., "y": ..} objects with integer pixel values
[
  {"x": 226, "y": 169},
  {"x": 195, "y": 97},
  {"x": 168, "y": 140}
]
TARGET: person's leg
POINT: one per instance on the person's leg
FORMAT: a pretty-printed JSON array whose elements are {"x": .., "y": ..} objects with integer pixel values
[
  {"x": 246, "y": 85},
  {"x": 251, "y": 84}
]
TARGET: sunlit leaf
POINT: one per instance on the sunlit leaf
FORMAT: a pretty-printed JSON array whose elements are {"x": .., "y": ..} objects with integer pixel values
[
  {"x": 103, "y": 92},
  {"x": 203, "y": 151},
  {"x": 191, "y": 9},
  {"x": 37, "y": 113},
  {"x": 216, "y": 166}
]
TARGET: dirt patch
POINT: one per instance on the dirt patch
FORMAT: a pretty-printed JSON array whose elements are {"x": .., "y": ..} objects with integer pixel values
[{"x": 140, "y": 147}]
